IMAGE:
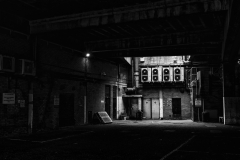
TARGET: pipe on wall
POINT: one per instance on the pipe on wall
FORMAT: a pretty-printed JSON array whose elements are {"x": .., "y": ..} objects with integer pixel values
[{"x": 136, "y": 72}]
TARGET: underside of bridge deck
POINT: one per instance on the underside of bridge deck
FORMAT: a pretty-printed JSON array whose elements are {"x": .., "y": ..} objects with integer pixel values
[{"x": 124, "y": 29}]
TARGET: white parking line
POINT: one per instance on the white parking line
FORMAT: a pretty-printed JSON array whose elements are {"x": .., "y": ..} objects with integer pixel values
[
  {"x": 210, "y": 125},
  {"x": 56, "y": 139},
  {"x": 169, "y": 131},
  {"x": 235, "y": 154},
  {"x": 164, "y": 157},
  {"x": 24, "y": 140}
]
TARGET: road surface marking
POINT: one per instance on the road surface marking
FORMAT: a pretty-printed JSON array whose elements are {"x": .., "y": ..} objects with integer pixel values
[
  {"x": 50, "y": 139},
  {"x": 210, "y": 125},
  {"x": 63, "y": 137},
  {"x": 19, "y": 140},
  {"x": 169, "y": 131},
  {"x": 208, "y": 152},
  {"x": 164, "y": 157}
]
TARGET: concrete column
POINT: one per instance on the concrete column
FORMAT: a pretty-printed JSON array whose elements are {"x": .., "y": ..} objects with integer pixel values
[
  {"x": 136, "y": 72},
  {"x": 231, "y": 103},
  {"x": 161, "y": 103},
  {"x": 140, "y": 103},
  {"x": 30, "y": 109},
  {"x": 86, "y": 90},
  {"x": 85, "y": 110}
]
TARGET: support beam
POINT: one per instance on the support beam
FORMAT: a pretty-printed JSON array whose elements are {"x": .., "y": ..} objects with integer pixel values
[
  {"x": 141, "y": 12},
  {"x": 231, "y": 41},
  {"x": 161, "y": 51},
  {"x": 157, "y": 41},
  {"x": 230, "y": 50}
]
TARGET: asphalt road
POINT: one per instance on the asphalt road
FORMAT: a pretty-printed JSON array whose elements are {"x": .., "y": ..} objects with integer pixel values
[{"x": 121, "y": 140}]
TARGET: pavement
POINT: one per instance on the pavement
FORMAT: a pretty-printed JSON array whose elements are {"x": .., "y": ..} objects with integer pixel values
[{"x": 129, "y": 139}]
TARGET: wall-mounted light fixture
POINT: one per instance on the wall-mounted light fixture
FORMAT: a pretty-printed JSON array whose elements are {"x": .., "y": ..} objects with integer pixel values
[{"x": 87, "y": 54}]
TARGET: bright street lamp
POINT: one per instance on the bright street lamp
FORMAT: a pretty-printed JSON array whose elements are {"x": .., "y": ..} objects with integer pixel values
[{"x": 87, "y": 54}]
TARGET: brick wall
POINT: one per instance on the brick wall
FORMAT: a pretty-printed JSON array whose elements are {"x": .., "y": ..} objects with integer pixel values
[
  {"x": 13, "y": 117},
  {"x": 168, "y": 94},
  {"x": 45, "y": 90}
]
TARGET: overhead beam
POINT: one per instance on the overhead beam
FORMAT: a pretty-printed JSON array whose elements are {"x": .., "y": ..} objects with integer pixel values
[
  {"x": 190, "y": 49},
  {"x": 211, "y": 37},
  {"x": 160, "y": 9},
  {"x": 231, "y": 47}
]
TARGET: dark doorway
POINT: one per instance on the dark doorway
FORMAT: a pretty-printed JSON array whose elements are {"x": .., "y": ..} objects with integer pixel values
[
  {"x": 66, "y": 109},
  {"x": 176, "y": 107},
  {"x": 107, "y": 100},
  {"x": 114, "y": 102}
]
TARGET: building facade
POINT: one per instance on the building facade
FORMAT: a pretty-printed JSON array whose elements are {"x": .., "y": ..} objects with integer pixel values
[
  {"x": 160, "y": 89},
  {"x": 46, "y": 85}
]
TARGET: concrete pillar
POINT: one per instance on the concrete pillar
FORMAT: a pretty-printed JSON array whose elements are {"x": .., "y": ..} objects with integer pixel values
[
  {"x": 161, "y": 103},
  {"x": 33, "y": 44},
  {"x": 30, "y": 109},
  {"x": 140, "y": 103},
  {"x": 136, "y": 72},
  {"x": 231, "y": 103},
  {"x": 85, "y": 110}
]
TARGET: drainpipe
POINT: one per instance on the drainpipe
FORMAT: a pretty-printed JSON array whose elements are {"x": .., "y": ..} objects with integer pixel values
[
  {"x": 136, "y": 72},
  {"x": 132, "y": 72},
  {"x": 135, "y": 76}
]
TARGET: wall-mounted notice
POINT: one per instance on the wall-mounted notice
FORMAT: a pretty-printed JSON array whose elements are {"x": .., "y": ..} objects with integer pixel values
[
  {"x": 8, "y": 98},
  {"x": 198, "y": 103}
]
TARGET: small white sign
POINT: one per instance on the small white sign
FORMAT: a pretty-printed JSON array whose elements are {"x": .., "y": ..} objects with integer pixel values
[
  {"x": 8, "y": 98},
  {"x": 198, "y": 103}
]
